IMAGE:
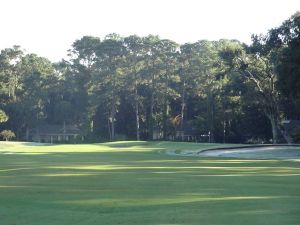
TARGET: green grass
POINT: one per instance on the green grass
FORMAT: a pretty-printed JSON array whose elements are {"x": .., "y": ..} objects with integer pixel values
[{"x": 137, "y": 183}]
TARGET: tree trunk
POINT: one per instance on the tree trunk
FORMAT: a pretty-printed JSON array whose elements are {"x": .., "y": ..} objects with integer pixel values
[
  {"x": 210, "y": 115},
  {"x": 92, "y": 126},
  {"x": 113, "y": 108},
  {"x": 151, "y": 121},
  {"x": 137, "y": 116},
  {"x": 165, "y": 108},
  {"x": 64, "y": 127},
  {"x": 182, "y": 109},
  {"x": 113, "y": 114},
  {"x": 151, "y": 128},
  {"x": 165, "y": 117},
  {"x": 224, "y": 131},
  {"x": 109, "y": 129},
  {"x": 274, "y": 125}
]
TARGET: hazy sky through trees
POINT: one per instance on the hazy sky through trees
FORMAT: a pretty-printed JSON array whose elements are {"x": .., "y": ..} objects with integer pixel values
[{"x": 49, "y": 27}]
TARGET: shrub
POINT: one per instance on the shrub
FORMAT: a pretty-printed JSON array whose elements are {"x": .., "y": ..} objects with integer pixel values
[
  {"x": 3, "y": 116},
  {"x": 7, "y": 135}
]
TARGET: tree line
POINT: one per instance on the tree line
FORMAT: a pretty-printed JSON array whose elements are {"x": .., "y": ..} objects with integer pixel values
[{"x": 141, "y": 87}]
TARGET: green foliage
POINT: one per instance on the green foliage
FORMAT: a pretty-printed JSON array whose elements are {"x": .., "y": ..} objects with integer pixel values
[
  {"x": 134, "y": 86},
  {"x": 7, "y": 135},
  {"x": 63, "y": 112},
  {"x": 3, "y": 116}
]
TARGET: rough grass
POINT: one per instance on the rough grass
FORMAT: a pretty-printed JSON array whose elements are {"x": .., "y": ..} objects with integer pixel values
[{"x": 137, "y": 183}]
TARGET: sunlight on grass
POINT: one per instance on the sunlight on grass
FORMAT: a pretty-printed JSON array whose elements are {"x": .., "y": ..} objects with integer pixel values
[
  {"x": 124, "y": 202},
  {"x": 182, "y": 168},
  {"x": 10, "y": 186},
  {"x": 27, "y": 148},
  {"x": 246, "y": 175}
]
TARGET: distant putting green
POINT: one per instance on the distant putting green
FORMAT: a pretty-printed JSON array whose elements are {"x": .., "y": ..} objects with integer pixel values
[{"x": 138, "y": 183}]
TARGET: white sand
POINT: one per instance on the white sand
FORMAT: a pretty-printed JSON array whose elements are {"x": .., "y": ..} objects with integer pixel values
[{"x": 268, "y": 152}]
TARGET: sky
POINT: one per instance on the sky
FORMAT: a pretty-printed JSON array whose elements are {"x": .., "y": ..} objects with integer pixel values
[{"x": 49, "y": 27}]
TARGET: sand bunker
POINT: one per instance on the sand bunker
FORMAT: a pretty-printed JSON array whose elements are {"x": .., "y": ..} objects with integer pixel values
[
  {"x": 251, "y": 152},
  {"x": 269, "y": 152}
]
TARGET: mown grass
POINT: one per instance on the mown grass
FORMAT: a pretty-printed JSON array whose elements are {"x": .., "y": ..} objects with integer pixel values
[{"x": 137, "y": 183}]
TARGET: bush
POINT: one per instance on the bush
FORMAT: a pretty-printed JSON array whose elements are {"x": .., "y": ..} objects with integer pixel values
[
  {"x": 7, "y": 134},
  {"x": 3, "y": 116}
]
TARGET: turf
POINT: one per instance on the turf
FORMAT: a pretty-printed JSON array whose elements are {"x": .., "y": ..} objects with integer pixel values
[{"x": 137, "y": 183}]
